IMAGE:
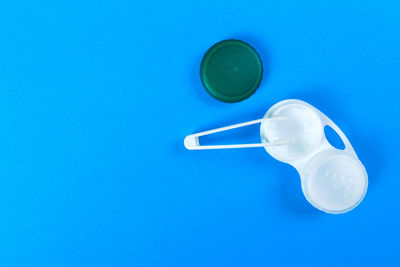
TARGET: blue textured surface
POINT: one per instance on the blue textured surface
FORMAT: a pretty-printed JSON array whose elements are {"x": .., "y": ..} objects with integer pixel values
[{"x": 96, "y": 98}]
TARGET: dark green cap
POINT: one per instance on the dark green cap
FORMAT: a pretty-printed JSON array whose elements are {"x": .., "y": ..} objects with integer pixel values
[{"x": 231, "y": 70}]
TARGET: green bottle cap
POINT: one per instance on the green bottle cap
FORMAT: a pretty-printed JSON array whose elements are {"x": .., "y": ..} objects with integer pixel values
[{"x": 231, "y": 70}]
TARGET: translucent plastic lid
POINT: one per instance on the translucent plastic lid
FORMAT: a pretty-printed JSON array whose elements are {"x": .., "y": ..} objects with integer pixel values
[{"x": 334, "y": 182}]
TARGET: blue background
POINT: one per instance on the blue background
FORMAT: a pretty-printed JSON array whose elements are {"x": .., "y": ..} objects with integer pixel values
[{"x": 96, "y": 98}]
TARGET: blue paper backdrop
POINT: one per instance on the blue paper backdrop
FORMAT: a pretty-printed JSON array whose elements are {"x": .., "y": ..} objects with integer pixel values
[{"x": 96, "y": 98}]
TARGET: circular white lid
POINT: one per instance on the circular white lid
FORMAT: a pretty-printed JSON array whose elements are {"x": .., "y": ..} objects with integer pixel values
[{"x": 334, "y": 182}]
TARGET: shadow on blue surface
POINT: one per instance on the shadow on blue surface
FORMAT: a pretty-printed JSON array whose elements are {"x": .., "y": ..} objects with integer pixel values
[{"x": 292, "y": 197}]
